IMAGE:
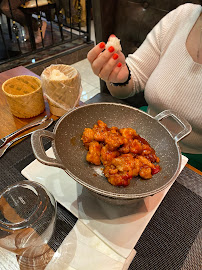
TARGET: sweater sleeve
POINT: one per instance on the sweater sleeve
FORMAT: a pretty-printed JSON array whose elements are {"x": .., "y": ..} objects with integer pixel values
[{"x": 145, "y": 59}]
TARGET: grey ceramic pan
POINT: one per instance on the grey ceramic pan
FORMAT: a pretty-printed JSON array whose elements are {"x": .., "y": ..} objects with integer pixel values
[{"x": 71, "y": 155}]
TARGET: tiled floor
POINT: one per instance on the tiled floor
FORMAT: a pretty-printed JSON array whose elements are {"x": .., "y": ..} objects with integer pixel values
[{"x": 90, "y": 82}]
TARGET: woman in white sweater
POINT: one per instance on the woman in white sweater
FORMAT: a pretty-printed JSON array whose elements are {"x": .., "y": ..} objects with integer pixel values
[{"x": 167, "y": 67}]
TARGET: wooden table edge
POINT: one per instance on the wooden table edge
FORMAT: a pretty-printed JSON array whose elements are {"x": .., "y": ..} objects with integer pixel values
[{"x": 193, "y": 169}]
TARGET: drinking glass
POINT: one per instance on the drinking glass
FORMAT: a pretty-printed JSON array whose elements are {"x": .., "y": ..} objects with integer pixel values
[{"x": 27, "y": 221}]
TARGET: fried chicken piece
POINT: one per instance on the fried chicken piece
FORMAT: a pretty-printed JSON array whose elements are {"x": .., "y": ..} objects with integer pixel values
[
  {"x": 125, "y": 148},
  {"x": 100, "y": 131},
  {"x": 145, "y": 161},
  {"x": 131, "y": 146},
  {"x": 128, "y": 133},
  {"x": 114, "y": 130},
  {"x": 93, "y": 155},
  {"x": 87, "y": 137},
  {"x": 122, "y": 179},
  {"x": 146, "y": 167},
  {"x": 146, "y": 149},
  {"x": 149, "y": 153},
  {"x": 107, "y": 156},
  {"x": 145, "y": 172},
  {"x": 136, "y": 169},
  {"x": 114, "y": 140},
  {"x": 125, "y": 162},
  {"x": 136, "y": 147},
  {"x": 117, "y": 178},
  {"x": 102, "y": 125},
  {"x": 110, "y": 170},
  {"x": 122, "y": 170}
]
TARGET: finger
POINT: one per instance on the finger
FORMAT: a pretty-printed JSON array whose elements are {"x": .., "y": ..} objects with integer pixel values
[
  {"x": 94, "y": 53},
  {"x": 102, "y": 60},
  {"x": 119, "y": 73},
  {"x": 108, "y": 68}
]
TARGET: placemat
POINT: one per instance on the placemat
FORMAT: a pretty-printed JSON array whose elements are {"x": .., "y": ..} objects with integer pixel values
[{"x": 172, "y": 240}]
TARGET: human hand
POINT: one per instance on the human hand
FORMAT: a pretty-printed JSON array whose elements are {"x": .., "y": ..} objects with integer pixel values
[{"x": 109, "y": 65}]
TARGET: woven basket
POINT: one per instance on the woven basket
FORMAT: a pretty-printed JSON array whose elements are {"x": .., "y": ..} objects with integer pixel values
[
  {"x": 24, "y": 96},
  {"x": 62, "y": 90}
]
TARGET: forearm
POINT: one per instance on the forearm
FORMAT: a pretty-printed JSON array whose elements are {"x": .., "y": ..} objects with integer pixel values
[{"x": 121, "y": 91}]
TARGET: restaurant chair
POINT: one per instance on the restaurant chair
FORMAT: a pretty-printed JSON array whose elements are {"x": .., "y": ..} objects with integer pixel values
[
  {"x": 37, "y": 7},
  {"x": 130, "y": 21}
]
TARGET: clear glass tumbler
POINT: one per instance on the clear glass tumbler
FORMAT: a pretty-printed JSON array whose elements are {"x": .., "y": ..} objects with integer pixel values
[{"x": 27, "y": 222}]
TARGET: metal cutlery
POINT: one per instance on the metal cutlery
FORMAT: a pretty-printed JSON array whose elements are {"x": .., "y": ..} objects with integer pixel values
[
  {"x": 44, "y": 125},
  {"x": 8, "y": 137}
]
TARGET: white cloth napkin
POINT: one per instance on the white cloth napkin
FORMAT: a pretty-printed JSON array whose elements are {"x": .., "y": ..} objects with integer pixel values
[{"x": 119, "y": 227}]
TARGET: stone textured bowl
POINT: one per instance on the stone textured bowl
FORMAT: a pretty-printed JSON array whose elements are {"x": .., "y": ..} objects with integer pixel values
[{"x": 71, "y": 155}]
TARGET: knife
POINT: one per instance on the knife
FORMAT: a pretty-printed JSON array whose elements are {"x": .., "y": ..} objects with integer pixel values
[
  {"x": 44, "y": 125},
  {"x": 8, "y": 137}
]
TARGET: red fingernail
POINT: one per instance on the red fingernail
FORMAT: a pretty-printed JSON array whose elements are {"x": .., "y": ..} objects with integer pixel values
[
  {"x": 111, "y": 49},
  {"x": 115, "y": 56},
  {"x": 119, "y": 65},
  {"x": 102, "y": 45}
]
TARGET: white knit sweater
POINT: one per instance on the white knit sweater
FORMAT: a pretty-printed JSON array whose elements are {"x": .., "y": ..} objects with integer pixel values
[{"x": 171, "y": 79}]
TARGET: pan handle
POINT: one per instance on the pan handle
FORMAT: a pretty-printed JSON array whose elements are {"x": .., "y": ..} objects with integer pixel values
[
  {"x": 181, "y": 121},
  {"x": 39, "y": 151}
]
